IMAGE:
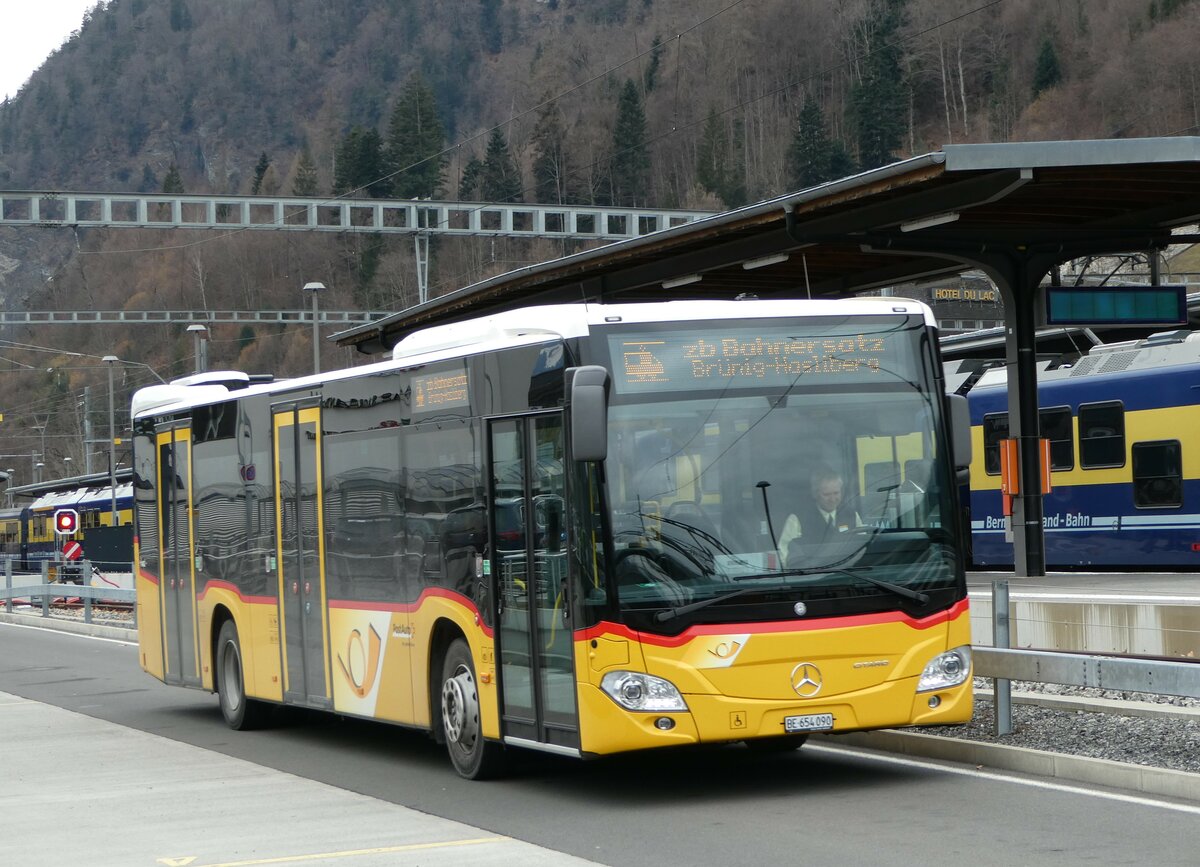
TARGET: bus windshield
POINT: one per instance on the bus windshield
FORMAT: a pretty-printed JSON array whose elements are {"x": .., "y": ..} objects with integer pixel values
[{"x": 766, "y": 471}]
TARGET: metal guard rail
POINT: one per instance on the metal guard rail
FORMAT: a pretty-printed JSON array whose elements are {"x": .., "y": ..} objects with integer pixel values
[
  {"x": 48, "y": 590},
  {"x": 1124, "y": 674},
  {"x": 78, "y": 591}
]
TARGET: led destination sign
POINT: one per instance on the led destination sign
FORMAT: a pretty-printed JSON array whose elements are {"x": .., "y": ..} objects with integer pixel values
[
  {"x": 745, "y": 356},
  {"x": 440, "y": 391}
]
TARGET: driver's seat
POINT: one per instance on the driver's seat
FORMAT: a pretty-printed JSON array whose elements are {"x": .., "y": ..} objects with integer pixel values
[{"x": 690, "y": 513}]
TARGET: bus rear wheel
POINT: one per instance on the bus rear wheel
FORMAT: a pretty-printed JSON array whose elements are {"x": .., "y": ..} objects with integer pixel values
[
  {"x": 241, "y": 713},
  {"x": 472, "y": 756}
]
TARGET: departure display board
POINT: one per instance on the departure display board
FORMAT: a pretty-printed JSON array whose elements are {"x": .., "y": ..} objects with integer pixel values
[
  {"x": 749, "y": 355},
  {"x": 1116, "y": 305}
]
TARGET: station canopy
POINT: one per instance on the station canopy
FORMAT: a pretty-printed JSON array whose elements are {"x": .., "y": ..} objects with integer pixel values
[{"x": 930, "y": 216}]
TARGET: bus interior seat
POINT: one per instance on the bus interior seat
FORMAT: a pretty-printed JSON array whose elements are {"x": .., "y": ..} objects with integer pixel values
[
  {"x": 876, "y": 475},
  {"x": 918, "y": 472},
  {"x": 692, "y": 514}
]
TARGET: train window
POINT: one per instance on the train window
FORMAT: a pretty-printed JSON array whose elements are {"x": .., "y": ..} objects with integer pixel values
[
  {"x": 995, "y": 428},
  {"x": 1157, "y": 475},
  {"x": 1056, "y": 427},
  {"x": 1102, "y": 435}
]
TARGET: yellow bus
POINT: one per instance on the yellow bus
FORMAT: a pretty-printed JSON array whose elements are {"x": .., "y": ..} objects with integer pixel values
[{"x": 561, "y": 528}]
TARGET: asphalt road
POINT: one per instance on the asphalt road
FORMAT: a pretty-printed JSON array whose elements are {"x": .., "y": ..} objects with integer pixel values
[{"x": 720, "y": 806}]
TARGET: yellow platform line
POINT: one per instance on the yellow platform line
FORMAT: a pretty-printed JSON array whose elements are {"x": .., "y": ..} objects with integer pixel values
[{"x": 351, "y": 853}]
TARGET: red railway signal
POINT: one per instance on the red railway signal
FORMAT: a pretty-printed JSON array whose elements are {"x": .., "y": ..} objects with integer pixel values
[{"x": 66, "y": 522}]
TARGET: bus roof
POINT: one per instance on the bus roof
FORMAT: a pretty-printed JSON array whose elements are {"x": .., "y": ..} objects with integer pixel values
[{"x": 509, "y": 329}]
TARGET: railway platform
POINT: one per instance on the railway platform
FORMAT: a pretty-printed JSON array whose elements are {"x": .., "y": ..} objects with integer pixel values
[
  {"x": 202, "y": 809},
  {"x": 1146, "y": 613}
]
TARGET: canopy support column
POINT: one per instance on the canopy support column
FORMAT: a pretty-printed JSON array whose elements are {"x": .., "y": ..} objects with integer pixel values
[{"x": 1018, "y": 277}]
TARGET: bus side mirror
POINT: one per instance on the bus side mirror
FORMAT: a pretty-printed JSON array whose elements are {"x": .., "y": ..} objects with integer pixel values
[
  {"x": 960, "y": 429},
  {"x": 589, "y": 413}
]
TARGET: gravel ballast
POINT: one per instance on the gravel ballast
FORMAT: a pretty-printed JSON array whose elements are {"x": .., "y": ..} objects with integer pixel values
[{"x": 1171, "y": 741}]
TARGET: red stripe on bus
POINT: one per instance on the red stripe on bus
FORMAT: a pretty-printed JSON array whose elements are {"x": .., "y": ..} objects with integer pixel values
[
  {"x": 411, "y": 607},
  {"x": 225, "y": 585},
  {"x": 622, "y": 631}
]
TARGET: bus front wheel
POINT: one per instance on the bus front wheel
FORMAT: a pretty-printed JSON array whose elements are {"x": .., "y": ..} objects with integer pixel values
[
  {"x": 472, "y": 756},
  {"x": 240, "y": 713}
]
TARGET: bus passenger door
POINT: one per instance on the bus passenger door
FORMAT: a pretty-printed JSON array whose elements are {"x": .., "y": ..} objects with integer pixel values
[
  {"x": 300, "y": 545},
  {"x": 529, "y": 572},
  {"x": 181, "y": 651}
]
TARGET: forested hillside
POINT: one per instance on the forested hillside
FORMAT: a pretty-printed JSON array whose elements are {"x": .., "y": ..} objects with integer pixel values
[
  {"x": 721, "y": 86},
  {"x": 671, "y": 103}
]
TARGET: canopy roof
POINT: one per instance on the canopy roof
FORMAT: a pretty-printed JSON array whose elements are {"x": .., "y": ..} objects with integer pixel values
[{"x": 920, "y": 218}]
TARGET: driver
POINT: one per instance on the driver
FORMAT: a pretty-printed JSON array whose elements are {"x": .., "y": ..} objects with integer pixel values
[{"x": 822, "y": 520}]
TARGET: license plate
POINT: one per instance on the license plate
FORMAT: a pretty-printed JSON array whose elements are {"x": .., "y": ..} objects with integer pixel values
[{"x": 810, "y": 722}]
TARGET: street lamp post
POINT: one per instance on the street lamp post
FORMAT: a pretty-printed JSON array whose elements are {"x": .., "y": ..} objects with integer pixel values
[
  {"x": 111, "y": 360},
  {"x": 315, "y": 288},
  {"x": 200, "y": 343},
  {"x": 40, "y": 427}
]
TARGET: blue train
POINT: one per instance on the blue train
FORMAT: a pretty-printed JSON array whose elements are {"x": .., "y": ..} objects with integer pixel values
[
  {"x": 1123, "y": 422},
  {"x": 27, "y": 534}
]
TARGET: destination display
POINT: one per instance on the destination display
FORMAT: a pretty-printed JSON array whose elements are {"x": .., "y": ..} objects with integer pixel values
[
  {"x": 758, "y": 356},
  {"x": 440, "y": 391}
]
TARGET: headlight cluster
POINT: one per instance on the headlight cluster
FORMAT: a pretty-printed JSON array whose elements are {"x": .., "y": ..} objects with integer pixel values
[
  {"x": 644, "y": 692},
  {"x": 946, "y": 670}
]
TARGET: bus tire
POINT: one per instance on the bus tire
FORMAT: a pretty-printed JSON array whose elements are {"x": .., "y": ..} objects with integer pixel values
[
  {"x": 240, "y": 712},
  {"x": 776, "y": 743},
  {"x": 474, "y": 757}
]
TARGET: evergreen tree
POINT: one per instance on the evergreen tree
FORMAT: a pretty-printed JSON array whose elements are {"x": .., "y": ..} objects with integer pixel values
[
  {"x": 500, "y": 177},
  {"x": 877, "y": 100},
  {"x": 813, "y": 157},
  {"x": 270, "y": 182},
  {"x": 305, "y": 182},
  {"x": 264, "y": 162},
  {"x": 719, "y": 162},
  {"x": 489, "y": 23},
  {"x": 1047, "y": 73},
  {"x": 550, "y": 157},
  {"x": 149, "y": 180},
  {"x": 173, "y": 182},
  {"x": 630, "y": 167},
  {"x": 181, "y": 17},
  {"x": 470, "y": 189},
  {"x": 360, "y": 169},
  {"x": 656, "y": 50},
  {"x": 415, "y": 140},
  {"x": 841, "y": 161}
]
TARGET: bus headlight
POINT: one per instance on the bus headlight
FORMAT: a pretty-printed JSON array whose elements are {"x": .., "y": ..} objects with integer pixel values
[
  {"x": 946, "y": 670},
  {"x": 644, "y": 692}
]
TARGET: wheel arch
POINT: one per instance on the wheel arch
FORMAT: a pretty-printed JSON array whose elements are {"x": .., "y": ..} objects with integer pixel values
[
  {"x": 445, "y": 632},
  {"x": 220, "y": 615}
]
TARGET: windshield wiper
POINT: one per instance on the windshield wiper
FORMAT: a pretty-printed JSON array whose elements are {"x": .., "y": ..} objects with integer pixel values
[
  {"x": 671, "y": 613},
  {"x": 853, "y": 572}
]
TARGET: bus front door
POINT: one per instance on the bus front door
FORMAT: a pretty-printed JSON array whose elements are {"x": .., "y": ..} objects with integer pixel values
[
  {"x": 529, "y": 571},
  {"x": 181, "y": 650},
  {"x": 300, "y": 546}
]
